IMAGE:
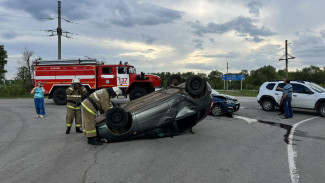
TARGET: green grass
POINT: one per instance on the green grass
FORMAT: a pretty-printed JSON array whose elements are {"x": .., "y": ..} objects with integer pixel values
[
  {"x": 243, "y": 93},
  {"x": 14, "y": 91}
]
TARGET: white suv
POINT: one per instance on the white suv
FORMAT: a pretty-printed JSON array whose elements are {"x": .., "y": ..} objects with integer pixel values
[{"x": 306, "y": 95}]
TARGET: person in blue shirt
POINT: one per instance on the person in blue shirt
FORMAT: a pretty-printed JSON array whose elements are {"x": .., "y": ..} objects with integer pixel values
[
  {"x": 38, "y": 92},
  {"x": 287, "y": 98}
]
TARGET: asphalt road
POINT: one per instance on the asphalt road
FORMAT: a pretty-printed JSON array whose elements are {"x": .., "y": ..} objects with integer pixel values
[{"x": 250, "y": 146}]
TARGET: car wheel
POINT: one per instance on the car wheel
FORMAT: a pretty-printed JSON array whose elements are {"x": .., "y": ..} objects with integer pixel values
[
  {"x": 174, "y": 79},
  {"x": 137, "y": 92},
  {"x": 268, "y": 105},
  {"x": 116, "y": 118},
  {"x": 217, "y": 110},
  {"x": 322, "y": 110},
  {"x": 59, "y": 96},
  {"x": 195, "y": 85}
]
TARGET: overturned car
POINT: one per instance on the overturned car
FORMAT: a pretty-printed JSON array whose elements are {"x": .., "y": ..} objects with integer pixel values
[{"x": 163, "y": 113}]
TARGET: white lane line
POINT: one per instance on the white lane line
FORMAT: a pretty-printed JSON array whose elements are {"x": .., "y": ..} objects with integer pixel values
[
  {"x": 292, "y": 153},
  {"x": 248, "y": 120}
]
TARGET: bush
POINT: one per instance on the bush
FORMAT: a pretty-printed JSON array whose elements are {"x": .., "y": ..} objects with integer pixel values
[{"x": 13, "y": 91}]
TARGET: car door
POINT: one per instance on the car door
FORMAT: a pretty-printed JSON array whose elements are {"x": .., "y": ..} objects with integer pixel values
[
  {"x": 278, "y": 93},
  {"x": 106, "y": 77},
  {"x": 302, "y": 97},
  {"x": 122, "y": 78}
]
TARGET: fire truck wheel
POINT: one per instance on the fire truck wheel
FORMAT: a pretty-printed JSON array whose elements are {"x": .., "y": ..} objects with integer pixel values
[
  {"x": 59, "y": 96},
  {"x": 137, "y": 92},
  {"x": 195, "y": 85},
  {"x": 116, "y": 118},
  {"x": 174, "y": 79}
]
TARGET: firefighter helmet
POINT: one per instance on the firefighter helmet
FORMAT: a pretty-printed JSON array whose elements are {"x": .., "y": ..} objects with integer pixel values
[
  {"x": 117, "y": 90},
  {"x": 75, "y": 80}
]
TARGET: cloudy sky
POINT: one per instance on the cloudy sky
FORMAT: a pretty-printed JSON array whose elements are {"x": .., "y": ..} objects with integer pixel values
[{"x": 168, "y": 35}]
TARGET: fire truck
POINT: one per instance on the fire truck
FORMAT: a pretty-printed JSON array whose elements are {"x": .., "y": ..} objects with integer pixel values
[{"x": 57, "y": 75}]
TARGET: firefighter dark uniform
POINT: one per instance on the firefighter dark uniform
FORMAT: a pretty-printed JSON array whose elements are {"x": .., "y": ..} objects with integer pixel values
[
  {"x": 100, "y": 100},
  {"x": 74, "y": 94}
]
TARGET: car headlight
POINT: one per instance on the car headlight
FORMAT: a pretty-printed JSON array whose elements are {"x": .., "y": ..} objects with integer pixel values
[{"x": 230, "y": 102}]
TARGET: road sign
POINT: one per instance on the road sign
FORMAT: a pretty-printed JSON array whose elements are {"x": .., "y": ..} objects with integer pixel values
[{"x": 233, "y": 77}]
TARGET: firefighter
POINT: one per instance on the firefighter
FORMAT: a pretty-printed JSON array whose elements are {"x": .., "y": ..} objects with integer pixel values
[
  {"x": 100, "y": 101},
  {"x": 74, "y": 93}
]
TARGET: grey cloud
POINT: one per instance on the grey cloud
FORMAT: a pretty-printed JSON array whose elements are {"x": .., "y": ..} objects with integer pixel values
[
  {"x": 72, "y": 9},
  {"x": 212, "y": 40},
  {"x": 255, "y": 39},
  {"x": 242, "y": 25},
  {"x": 247, "y": 37},
  {"x": 198, "y": 43},
  {"x": 9, "y": 35},
  {"x": 228, "y": 54},
  {"x": 148, "y": 39},
  {"x": 200, "y": 66},
  {"x": 322, "y": 33},
  {"x": 131, "y": 13},
  {"x": 308, "y": 46},
  {"x": 254, "y": 7}
]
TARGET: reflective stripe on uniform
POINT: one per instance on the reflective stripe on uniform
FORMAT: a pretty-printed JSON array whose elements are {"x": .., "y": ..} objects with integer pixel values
[
  {"x": 73, "y": 95},
  {"x": 71, "y": 107},
  {"x": 84, "y": 130},
  {"x": 69, "y": 125},
  {"x": 96, "y": 96},
  {"x": 91, "y": 131},
  {"x": 70, "y": 88},
  {"x": 78, "y": 125},
  {"x": 92, "y": 112}
]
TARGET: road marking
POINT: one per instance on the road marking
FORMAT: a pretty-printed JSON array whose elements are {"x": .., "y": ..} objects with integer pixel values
[
  {"x": 248, "y": 120},
  {"x": 292, "y": 153}
]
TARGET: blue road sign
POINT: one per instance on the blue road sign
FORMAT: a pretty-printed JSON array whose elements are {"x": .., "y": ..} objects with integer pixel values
[{"x": 233, "y": 77}]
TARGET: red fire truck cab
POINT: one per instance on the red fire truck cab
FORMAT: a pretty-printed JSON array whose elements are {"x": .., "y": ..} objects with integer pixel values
[{"x": 57, "y": 75}]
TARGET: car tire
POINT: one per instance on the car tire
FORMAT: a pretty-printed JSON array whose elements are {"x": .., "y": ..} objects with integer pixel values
[
  {"x": 59, "y": 96},
  {"x": 137, "y": 92},
  {"x": 116, "y": 118},
  {"x": 174, "y": 79},
  {"x": 195, "y": 85},
  {"x": 268, "y": 105},
  {"x": 217, "y": 110},
  {"x": 322, "y": 109}
]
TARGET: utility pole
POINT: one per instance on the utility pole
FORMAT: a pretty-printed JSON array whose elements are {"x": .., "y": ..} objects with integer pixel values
[
  {"x": 286, "y": 58},
  {"x": 59, "y": 30}
]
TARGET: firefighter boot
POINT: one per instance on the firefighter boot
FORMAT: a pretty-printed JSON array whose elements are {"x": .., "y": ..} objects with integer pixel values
[
  {"x": 78, "y": 130},
  {"x": 94, "y": 141},
  {"x": 68, "y": 130}
]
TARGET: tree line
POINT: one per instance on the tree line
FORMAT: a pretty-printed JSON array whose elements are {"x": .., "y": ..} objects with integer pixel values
[{"x": 253, "y": 79}]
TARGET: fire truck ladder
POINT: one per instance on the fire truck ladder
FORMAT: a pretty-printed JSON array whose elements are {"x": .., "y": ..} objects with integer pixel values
[{"x": 67, "y": 62}]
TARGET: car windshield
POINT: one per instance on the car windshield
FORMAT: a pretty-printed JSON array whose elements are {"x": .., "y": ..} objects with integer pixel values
[
  {"x": 214, "y": 92},
  {"x": 316, "y": 87}
]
